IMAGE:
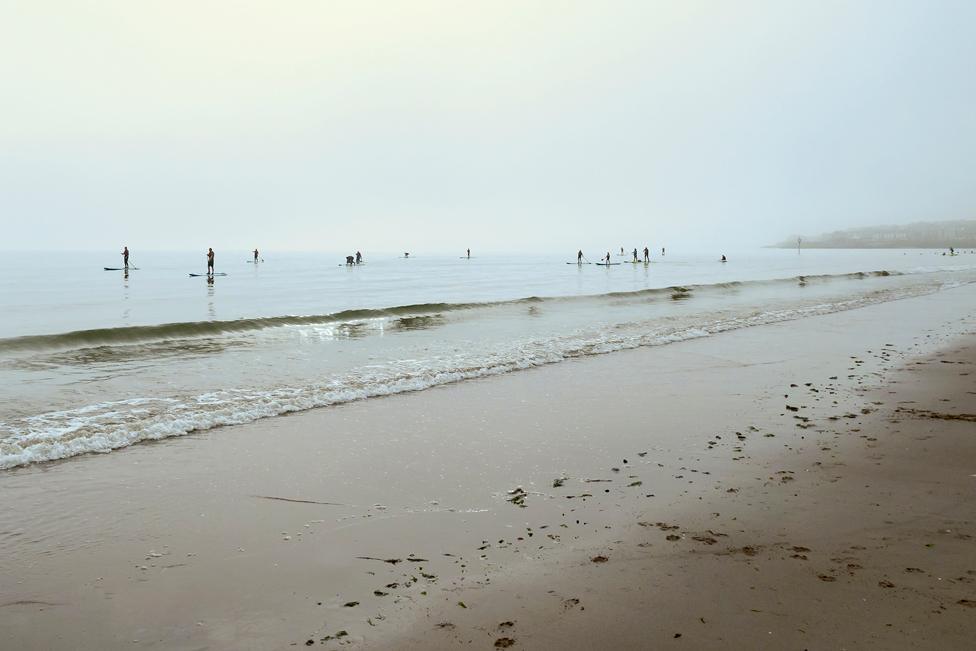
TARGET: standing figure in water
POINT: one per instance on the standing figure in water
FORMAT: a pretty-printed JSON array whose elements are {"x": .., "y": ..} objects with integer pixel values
[
  {"x": 359, "y": 257},
  {"x": 647, "y": 255},
  {"x": 469, "y": 253},
  {"x": 125, "y": 257},
  {"x": 255, "y": 255},
  {"x": 662, "y": 251},
  {"x": 635, "y": 255},
  {"x": 210, "y": 261},
  {"x": 608, "y": 258},
  {"x": 579, "y": 257}
]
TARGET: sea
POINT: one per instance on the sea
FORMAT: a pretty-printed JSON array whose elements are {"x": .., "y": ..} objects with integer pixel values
[{"x": 95, "y": 360}]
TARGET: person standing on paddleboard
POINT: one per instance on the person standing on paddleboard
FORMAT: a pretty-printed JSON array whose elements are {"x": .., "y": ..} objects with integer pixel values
[
  {"x": 647, "y": 255},
  {"x": 359, "y": 257},
  {"x": 210, "y": 261},
  {"x": 125, "y": 257},
  {"x": 608, "y": 257},
  {"x": 255, "y": 255},
  {"x": 579, "y": 257}
]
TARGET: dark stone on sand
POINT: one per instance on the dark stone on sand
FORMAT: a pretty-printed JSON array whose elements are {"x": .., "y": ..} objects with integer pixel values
[
  {"x": 599, "y": 559},
  {"x": 350, "y": 604},
  {"x": 391, "y": 561},
  {"x": 504, "y": 642}
]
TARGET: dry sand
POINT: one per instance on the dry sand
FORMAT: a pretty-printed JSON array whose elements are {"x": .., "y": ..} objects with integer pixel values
[{"x": 803, "y": 485}]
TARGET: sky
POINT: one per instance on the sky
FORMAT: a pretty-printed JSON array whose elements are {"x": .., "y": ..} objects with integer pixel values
[{"x": 502, "y": 126}]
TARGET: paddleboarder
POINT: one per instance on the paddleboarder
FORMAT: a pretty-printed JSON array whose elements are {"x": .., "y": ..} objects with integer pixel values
[
  {"x": 359, "y": 257},
  {"x": 255, "y": 256},
  {"x": 210, "y": 261},
  {"x": 125, "y": 257},
  {"x": 647, "y": 255},
  {"x": 579, "y": 257}
]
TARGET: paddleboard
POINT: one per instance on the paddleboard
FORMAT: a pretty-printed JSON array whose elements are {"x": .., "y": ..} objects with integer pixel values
[
  {"x": 211, "y": 275},
  {"x": 120, "y": 268},
  {"x": 579, "y": 263},
  {"x": 605, "y": 264},
  {"x": 254, "y": 261}
]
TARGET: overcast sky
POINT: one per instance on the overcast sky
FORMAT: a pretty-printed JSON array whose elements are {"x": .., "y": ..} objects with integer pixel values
[{"x": 423, "y": 126}]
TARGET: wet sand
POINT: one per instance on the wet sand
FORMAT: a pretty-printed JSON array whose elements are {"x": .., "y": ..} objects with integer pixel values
[{"x": 800, "y": 485}]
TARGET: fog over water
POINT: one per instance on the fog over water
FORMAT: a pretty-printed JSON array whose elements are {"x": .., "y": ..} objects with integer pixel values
[{"x": 507, "y": 127}]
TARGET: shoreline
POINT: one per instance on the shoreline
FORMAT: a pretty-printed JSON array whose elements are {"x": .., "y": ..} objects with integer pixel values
[
  {"x": 861, "y": 538},
  {"x": 248, "y": 536}
]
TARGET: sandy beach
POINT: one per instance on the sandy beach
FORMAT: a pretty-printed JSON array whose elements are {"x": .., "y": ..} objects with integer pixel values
[{"x": 806, "y": 484}]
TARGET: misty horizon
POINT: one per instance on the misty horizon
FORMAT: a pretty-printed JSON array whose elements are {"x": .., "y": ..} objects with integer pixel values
[{"x": 432, "y": 127}]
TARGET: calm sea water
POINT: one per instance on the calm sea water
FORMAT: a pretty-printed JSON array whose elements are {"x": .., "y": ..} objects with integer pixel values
[{"x": 94, "y": 360}]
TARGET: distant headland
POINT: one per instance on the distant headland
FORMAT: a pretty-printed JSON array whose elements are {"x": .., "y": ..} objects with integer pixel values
[{"x": 922, "y": 235}]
